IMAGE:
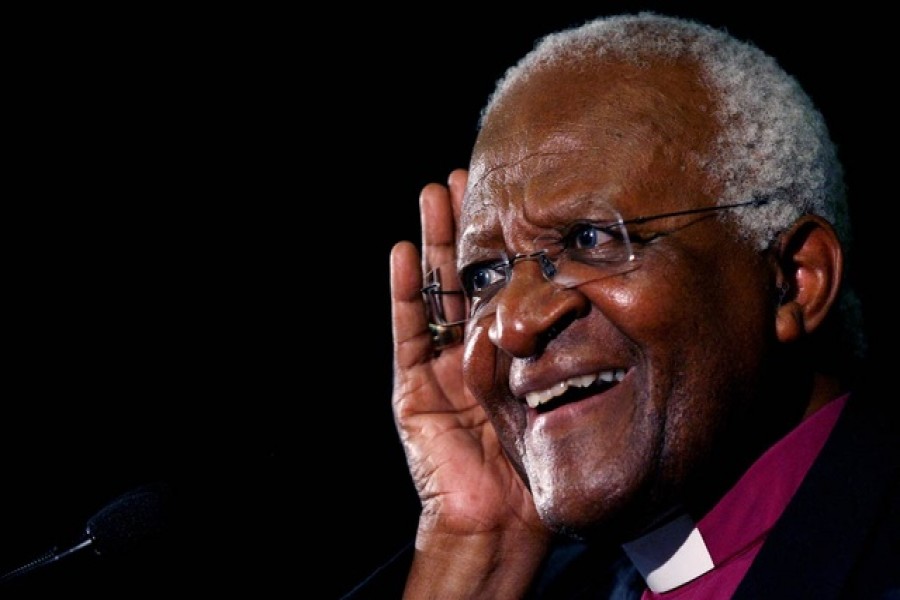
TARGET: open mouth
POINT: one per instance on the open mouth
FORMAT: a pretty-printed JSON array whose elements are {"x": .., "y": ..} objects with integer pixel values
[{"x": 573, "y": 389}]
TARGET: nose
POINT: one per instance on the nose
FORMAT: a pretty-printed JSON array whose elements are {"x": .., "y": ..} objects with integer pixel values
[{"x": 531, "y": 311}]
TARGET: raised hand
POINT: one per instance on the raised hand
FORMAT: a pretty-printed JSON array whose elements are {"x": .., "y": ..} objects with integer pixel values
[{"x": 471, "y": 496}]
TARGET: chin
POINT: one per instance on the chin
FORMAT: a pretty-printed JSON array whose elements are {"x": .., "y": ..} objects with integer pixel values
[{"x": 615, "y": 516}]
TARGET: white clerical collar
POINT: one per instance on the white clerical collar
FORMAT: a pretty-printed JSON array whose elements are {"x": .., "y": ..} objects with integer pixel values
[{"x": 670, "y": 555}]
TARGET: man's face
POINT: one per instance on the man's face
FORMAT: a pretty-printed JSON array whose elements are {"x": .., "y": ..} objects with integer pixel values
[{"x": 681, "y": 335}]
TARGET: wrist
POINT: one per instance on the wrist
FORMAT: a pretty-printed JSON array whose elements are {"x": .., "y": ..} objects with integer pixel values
[{"x": 488, "y": 564}]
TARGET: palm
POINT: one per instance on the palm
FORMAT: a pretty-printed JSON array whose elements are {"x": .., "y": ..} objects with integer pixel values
[
  {"x": 460, "y": 471},
  {"x": 457, "y": 463}
]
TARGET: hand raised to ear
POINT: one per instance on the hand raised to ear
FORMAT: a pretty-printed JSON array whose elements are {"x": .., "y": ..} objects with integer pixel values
[{"x": 475, "y": 507}]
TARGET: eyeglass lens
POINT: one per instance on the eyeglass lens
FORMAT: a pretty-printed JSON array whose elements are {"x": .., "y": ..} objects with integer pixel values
[{"x": 586, "y": 250}]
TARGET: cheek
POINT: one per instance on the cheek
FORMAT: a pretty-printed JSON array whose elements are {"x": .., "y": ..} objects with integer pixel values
[
  {"x": 681, "y": 333},
  {"x": 644, "y": 309},
  {"x": 700, "y": 340},
  {"x": 486, "y": 376},
  {"x": 479, "y": 362},
  {"x": 675, "y": 304},
  {"x": 623, "y": 297},
  {"x": 486, "y": 373}
]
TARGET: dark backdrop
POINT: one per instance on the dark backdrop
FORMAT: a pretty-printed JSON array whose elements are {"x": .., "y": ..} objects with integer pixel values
[{"x": 197, "y": 266}]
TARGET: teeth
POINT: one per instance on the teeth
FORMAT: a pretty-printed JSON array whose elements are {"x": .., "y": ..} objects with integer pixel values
[{"x": 534, "y": 399}]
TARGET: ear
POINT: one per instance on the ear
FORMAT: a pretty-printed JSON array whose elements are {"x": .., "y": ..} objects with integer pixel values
[{"x": 810, "y": 269}]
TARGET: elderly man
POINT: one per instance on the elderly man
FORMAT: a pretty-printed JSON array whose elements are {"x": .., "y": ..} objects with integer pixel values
[{"x": 633, "y": 370}]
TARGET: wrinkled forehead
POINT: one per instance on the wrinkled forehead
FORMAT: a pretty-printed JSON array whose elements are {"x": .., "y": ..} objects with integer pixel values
[
  {"x": 611, "y": 125},
  {"x": 505, "y": 176}
]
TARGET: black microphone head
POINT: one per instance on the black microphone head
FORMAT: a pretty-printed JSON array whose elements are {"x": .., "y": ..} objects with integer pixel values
[{"x": 133, "y": 518}]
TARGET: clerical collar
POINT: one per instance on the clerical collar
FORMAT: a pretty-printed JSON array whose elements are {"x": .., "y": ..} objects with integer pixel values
[
  {"x": 730, "y": 535},
  {"x": 670, "y": 555}
]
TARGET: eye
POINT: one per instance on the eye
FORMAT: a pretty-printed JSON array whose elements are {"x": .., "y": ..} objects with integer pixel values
[
  {"x": 480, "y": 279},
  {"x": 585, "y": 236}
]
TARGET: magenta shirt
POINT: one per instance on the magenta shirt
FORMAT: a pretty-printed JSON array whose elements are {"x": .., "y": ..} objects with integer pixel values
[{"x": 735, "y": 529}]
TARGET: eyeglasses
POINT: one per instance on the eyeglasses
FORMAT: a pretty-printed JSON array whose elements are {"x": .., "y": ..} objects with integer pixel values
[{"x": 587, "y": 250}]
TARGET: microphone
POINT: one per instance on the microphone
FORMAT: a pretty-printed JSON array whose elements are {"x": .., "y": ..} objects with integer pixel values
[{"x": 121, "y": 525}]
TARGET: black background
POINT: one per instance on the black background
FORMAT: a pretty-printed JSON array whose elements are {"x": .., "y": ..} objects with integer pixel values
[{"x": 198, "y": 230}]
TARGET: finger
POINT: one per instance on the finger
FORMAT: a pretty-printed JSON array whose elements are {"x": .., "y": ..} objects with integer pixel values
[
  {"x": 412, "y": 339},
  {"x": 438, "y": 226},
  {"x": 457, "y": 184}
]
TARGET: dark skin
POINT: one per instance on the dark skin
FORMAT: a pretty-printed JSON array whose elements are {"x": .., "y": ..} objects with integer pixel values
[{"x": 696, "y": 328}]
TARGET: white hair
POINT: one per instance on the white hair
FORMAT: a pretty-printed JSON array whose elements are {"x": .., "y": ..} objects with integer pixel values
[{"x": 772, "y": 141}]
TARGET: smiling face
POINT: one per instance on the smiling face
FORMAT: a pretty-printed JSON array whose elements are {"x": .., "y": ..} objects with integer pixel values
[{"x": 674, "y": 346}]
